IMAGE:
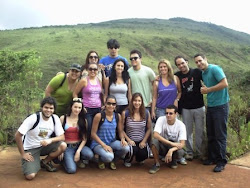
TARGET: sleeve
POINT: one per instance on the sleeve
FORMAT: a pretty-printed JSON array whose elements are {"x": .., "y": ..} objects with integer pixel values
[
  {"x": 218, "y": 73},
  {"x": 58, "y": 126},
  {"x": 158, "y": 125},
  {"x": 27, "y": 124},
  {"x": 56, "y": 81},
  {"x": 183, "y": 132},
  {"x": 151, "y": 74}
]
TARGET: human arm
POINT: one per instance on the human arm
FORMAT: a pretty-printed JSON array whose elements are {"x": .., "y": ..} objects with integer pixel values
[
  {"x": 129, "y": 91},
  {"x": 178, "y": 85},
  {"x": 82, "y": 83},
  {"x": 124, "y": 136},
  {"x": 48, "y": 91},
  {"x": 106, "y": 88},
  {"x": 154, "y": 99},
  {"x": 168, "y": 157},
  {"x": 221, "y": 85},
  {"x": 94, "y": 135},
  {"x": 143, "y": 144}
]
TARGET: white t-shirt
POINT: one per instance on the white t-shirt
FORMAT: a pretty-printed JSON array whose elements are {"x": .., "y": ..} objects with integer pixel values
[
  {"x": 175, "y": 132},
  {"x": 42, "y": 131}
]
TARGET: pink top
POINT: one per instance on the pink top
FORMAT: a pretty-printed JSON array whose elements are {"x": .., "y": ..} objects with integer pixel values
[{"x": 91, "y": 95}]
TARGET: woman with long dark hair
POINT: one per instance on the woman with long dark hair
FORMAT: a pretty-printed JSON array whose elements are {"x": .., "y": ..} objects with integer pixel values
[
  {"x": 75, "y": 127},
  {"x": 118, "y": 85},
  {"x": 137, "y": 130}
]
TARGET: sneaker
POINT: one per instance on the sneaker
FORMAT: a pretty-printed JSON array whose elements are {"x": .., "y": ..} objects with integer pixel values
[
  {"x": 85, "y": 161},
  {"x": 48, "y": 166},
  {"x": 141, "y": 162},
  {"x": 112, "y": 166},
  {"x": 81, "y": 164},
  {"x": 219, "y": 168},
  {"x": 182, "y": 161},
  {"x": 173, "y": 164},
  {"x": 127, "y": 164},
  {"x": 189, "y": 157},
  {"x": 154, "y": 169},
  {"x": 101, "y": 165},
  {"x": 208, "y": 162}
]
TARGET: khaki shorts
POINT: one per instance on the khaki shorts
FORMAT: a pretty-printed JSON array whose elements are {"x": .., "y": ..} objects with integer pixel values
[{"x": 34, "y": 166}]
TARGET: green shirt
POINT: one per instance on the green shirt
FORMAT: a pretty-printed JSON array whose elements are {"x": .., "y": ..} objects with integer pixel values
[
  {"x": 62, "y": 94},
  {"x": 141, "y": 81}
]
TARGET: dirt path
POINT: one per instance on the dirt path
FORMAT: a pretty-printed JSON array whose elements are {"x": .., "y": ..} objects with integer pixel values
[{"x": 192, "y": 175}]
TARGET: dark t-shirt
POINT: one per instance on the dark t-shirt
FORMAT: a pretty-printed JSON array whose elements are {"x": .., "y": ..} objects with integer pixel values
[{"x": 191, "y": 97}]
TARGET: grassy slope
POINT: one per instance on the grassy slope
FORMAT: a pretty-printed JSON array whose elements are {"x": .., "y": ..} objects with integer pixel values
[{"x": 59, "y": 46}]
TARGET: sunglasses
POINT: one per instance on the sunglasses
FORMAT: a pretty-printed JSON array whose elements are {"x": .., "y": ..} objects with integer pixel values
[
  {"x": 134, "y": 58},
  {"x": 113, "y": 47},
  {"x": 110, "y": 103},
  {"x": 91, "y": 57},
  {"x": 77, "y": 100},
  {"x": 169, "y": 113},
  {"x": 93, "y": 69}
]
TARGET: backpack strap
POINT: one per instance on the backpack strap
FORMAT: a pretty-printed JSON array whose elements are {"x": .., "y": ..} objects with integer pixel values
[
  {"x": 37, "y": 120},
  {"x": 64, "y": 78},
  {"x": 64, "y": 121},
  {"x": 103, "y": 116},
  {"x": 116, "y": 119}
]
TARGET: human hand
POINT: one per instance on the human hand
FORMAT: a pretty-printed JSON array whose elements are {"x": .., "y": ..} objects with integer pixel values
[
  {"x": 77, "y": 156},
  {"x": 168, "y": 157},
  {"x": 142, "y": 145},
  {"x": 131, "y": 143},
  {"x": 107, "y": 148},
  {"x": 46, "y": 142},
  {"x": 28, "y": 157},
  {"x": 123, "y": 142}
]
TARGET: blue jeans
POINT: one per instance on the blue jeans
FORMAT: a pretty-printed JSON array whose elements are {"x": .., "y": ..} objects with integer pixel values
[
  {"x": 91, "y": 112},
  {"x": 216, "y": 120},
  {"x": 160, "y": 112},
  {"x": 68, "y": 159},
  {"x": 118, "y": 152}
]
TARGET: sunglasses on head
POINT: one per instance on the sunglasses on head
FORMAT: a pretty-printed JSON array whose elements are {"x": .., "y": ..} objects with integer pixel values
[
  {"x": 110, "y": 103},
  {"x": 134, "y": 58},
  {"x": 91, "y": 57},
  {"x": 93, "y": 69},
  {"x": 169, "y": 113},
  {"x": 77, "y": 99}
]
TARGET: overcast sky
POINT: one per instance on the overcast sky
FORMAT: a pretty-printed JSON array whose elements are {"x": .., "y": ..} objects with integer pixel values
[{"x": 35, "y": 13}]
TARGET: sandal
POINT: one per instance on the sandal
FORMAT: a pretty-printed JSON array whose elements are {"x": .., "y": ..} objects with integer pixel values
[
  {"x": 101, "y": 165},
  {"x": 112, "y": 166}
]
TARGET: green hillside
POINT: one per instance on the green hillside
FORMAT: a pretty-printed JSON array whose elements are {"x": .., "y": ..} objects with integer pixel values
[{"x": 59, "y": 46}]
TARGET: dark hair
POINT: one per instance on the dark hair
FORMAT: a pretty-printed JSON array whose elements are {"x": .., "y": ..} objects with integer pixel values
[
  {"x": 142, "y": 109},
  {"x": 199, "y": 54},
  {"x": 113, "y": 43},
  {"x": 92, "y": 64},
  {"x": 125, "y": 74},
  {"x": 172, "y": 107},
  {"x": 179, "y": 57},
  {"x": 85, "y": 66},
  {"x": 110, "y": 97},
  {"x": 136, "y": 52},
  {"x": 81, "y": 118},
  {"x": 48, "y": 100}
]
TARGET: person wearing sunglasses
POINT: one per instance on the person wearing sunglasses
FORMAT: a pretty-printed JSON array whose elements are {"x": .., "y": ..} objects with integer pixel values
[
  {"x": 104, "y": 142},
  {"x": 90, "y": 88},
  {"x": 169, "y": 139},
  {"x": 113, "y": 47},
  {"x": 62, "y": 86},
  {"x": 118, "y": 84},
  {"x": 75, "y": 127},
  {"x": 137, "y": 130}
]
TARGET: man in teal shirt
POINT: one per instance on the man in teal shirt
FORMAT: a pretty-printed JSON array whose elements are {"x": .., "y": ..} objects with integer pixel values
[{"x": 216, "y": 87}]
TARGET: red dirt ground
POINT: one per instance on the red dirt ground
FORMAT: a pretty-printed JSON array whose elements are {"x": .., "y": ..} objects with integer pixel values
[{"x": 192, "y": 175}]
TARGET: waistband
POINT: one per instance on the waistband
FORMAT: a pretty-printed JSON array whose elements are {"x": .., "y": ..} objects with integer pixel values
[{"x": 73, "y": 145}]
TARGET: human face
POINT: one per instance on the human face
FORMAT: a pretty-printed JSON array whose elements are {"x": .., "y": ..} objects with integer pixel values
[
  {"x": 113, "y": 51},
  {"x": 201, "y": 63},
  {"x": 93, "y": 57},
  {"x": 163, "y": 69},
  {"x": 92, "y": 70},
  {"x": 135, "y": 61},
  {"x": 137, "y": 102},
  {"x": 47, "y": 110},
  {"x": 110, "y": 104},
  {"x": 76, "y": 108},
  {"x": 171, "y": 116},
  {"x": 74, "y": 74},
  {"x": 182, "y": 65},
  {"x": 119, "y": 67}
]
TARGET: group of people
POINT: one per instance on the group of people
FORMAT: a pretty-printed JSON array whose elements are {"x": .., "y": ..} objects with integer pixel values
[{"x": 107, "y": 112}]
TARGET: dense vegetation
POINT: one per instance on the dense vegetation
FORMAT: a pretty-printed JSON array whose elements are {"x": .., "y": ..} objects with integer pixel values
[{"x": 27, "y": 54}]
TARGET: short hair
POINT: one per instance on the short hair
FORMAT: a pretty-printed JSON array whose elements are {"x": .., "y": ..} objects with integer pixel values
[
  {"x": 48, "y": 100},
  {"x": 135, "y": 51},
  {"x": 172, "y": 107},
  {"x": 199, "y": 54},
  {"x": 113, "y": 43},
  {"x": 179, "y": 57},
  {"x": 110, "y": 97}
]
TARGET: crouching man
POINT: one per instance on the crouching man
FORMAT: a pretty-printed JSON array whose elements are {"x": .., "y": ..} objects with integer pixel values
[
  {"x": 34, "y": 139},
  {"x": 169, "y": 139}
]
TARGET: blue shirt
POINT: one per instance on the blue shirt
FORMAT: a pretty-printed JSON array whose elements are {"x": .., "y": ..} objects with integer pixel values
[
  {"x": 108, "y": 62},
  {"x": 211, "y": 77}
]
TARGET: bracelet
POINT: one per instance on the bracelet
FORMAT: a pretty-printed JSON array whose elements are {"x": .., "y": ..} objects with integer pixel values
[{"x": 177, "y": 99}]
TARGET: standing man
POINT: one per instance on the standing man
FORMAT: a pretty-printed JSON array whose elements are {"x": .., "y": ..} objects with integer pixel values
[
  {"x": 37, "y": 141},
  {"x": 216, "y": 88},
  {"x": 169, "y": 139},
  {"x": 108, "y": 61},
  {"x": 191, "y": 106},
  {"x": 142, "y": 78}
]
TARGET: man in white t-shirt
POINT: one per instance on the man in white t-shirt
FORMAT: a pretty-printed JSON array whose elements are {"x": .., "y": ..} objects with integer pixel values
[
  {"x": 34, "y": 139},
  {"x": 169, "y": 139}
]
